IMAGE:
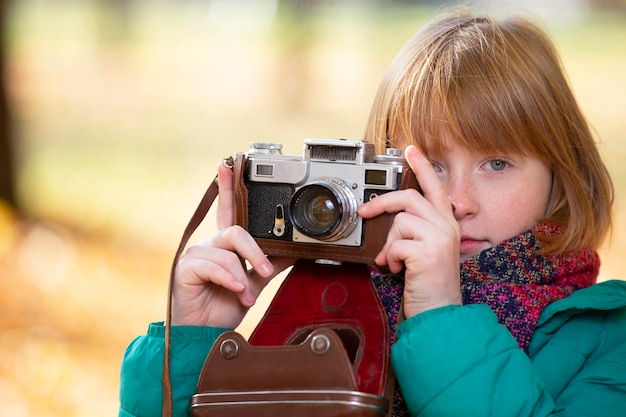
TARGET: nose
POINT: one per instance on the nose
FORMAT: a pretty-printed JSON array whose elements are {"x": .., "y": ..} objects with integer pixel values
[{"x": 462, "y": 192}]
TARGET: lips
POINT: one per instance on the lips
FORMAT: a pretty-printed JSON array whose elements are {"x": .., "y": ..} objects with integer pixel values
[{"x": 471, "y": 246}]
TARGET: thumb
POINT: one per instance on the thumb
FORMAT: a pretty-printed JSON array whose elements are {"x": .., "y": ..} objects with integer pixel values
[{"x": 226, "y": 199}]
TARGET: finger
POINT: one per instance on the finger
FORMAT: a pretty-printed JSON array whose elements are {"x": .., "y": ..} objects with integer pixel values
[
  {"x": 280, "y": 263},
  {"x": 429, "y": 182},
  {"x": 238, "y": 240},
  {"x": 419, "y": 250},
  {"x": 256, "y": 283},
  {"x": 405, "y": 227},
  {"x": 391, "y": 258},
  {"x": 405, "y": 200},
  {"x": 207, "y": 265},
  {"x": 226, "y": 199},
  {"x": 212, "y": 267}
]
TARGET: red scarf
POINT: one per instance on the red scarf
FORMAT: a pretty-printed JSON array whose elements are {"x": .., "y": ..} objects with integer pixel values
[
  {"x": 511, "y": 279},
  {"x": 518, "y": 284}
]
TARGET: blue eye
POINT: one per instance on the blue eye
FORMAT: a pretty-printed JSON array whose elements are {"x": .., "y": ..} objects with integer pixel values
[
  {"x": 436, "y": 167},
  {"x": 497, "y": 164}
]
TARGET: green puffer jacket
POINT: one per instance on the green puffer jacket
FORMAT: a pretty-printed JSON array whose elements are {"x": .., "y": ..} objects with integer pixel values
[{"x": 451, "y": 361}]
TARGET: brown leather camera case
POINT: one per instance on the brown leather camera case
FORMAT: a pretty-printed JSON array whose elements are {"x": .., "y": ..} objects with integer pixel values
[{"x": 310, "y": 379}]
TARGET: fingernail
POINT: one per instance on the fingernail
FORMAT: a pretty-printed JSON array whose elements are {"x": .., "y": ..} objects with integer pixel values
[
  {"x": 267, "y": 269},
  {"x": 249, "y": 300},
  {"x": 410, "y": 151}
]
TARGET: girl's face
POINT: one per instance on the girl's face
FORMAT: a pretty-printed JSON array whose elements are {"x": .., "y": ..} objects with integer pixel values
[{"x": 496, "y": 197}]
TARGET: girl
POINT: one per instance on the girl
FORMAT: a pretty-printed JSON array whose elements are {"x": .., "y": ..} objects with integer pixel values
[{"x": 496, "y": 259}]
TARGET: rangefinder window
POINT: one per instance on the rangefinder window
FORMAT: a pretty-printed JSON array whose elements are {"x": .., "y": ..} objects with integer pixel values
[
  {"x": 265, "y": 170},
  {"x": 375, "y": 177}
]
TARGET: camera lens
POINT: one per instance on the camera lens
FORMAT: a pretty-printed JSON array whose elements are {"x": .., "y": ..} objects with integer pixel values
[
  {"x": 324, "y": 209},
  {"x": 321, "y": 209}
]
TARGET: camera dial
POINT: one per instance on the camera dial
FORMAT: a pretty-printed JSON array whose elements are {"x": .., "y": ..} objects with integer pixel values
[
  {"x": 393, "y": 156},
  {"x": 324, "y": 209}
]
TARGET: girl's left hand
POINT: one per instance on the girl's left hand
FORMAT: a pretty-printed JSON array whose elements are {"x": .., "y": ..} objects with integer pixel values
[{"x": 424, "y": 239}]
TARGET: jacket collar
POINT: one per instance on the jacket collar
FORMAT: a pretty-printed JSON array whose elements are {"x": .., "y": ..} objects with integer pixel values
[{"x": 608, "y": 295}]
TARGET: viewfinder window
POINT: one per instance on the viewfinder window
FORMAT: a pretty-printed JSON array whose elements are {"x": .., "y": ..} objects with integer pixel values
[
  {"x": 375, "y": 177},
  {"x": 265, "y": 170}
]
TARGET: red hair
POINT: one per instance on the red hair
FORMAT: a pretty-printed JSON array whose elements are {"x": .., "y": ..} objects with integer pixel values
[{"x": 498, "y": 86}]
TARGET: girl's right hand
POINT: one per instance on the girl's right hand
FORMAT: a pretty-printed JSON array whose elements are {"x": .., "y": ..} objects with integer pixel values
[
  {"x": 423, "y": 242},
  {"x": 212, "y": 286}
]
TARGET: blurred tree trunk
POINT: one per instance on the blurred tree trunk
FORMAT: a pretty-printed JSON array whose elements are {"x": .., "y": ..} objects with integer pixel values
[{"x": 7, "y": 174}]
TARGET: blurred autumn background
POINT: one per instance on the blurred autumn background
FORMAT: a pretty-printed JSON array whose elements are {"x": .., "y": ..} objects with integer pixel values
[{"x": 115, "y": 113}]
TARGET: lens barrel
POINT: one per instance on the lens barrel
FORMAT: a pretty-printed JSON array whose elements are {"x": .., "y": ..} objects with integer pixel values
[{"x": 324, "y": 209}]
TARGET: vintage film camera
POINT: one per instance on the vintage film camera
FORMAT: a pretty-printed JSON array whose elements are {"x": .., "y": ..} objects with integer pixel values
[{"x": 305, "y": 207}]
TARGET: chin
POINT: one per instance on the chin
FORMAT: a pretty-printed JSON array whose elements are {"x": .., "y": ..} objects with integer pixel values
[{"x": 465, "y": 256}]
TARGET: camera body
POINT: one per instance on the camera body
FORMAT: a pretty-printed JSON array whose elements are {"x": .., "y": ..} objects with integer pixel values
[{"x": 305, "y": 206}]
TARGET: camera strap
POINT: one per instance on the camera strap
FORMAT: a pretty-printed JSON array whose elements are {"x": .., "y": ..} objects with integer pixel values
[{"x": 197, "y": 218}]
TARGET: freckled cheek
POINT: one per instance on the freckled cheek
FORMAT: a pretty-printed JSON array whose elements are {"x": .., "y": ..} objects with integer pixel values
[
  {"x": 523, "y": 211},
  {"x": 512, "y": 210}
]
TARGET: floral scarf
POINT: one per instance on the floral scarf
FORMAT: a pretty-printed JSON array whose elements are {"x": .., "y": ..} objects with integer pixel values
[{"x": 512, "y": 279}]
